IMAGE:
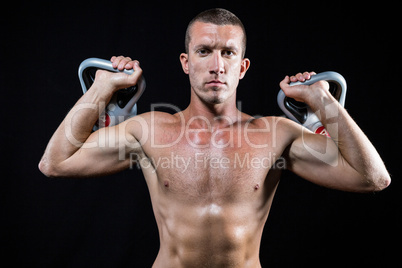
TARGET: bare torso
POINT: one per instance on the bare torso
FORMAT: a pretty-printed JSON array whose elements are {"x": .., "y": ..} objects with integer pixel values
[{"x": 211, "y": 189}]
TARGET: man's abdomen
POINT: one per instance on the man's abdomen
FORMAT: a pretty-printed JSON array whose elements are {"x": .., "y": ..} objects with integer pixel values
[{"x": 210, "y": 236}]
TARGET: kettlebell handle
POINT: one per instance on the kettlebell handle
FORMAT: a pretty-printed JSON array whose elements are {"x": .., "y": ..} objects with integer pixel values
[
  {"x": 299, "y": 114},
  {"x": 122, "y": 105},
  {"x": 86, "y": 80}
]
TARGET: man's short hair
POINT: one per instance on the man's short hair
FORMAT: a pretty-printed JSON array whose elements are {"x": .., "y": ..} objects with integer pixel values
[{"x": 217, "y": 16}]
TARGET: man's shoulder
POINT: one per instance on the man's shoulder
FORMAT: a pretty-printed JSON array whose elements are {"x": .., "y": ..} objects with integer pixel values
[
  {"x": 271, "y": 121},
  {"x": 158, "y": 117},
  {"x": 278, "y": 125}
]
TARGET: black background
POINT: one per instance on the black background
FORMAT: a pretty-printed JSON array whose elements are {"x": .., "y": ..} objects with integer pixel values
[{"x": 108, "y": 221}]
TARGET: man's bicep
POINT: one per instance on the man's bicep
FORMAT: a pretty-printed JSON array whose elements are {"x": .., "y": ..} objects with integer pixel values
[
  {"x": 317, "y": 159},
  {"x": 105, "y": 152}
]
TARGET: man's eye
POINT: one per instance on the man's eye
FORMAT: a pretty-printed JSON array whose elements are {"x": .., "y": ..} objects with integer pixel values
[
  {"x": 228, "y": 53},
  {"x": 202, "y": 52}
]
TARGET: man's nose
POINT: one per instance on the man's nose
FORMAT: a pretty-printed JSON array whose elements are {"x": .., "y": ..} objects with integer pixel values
[{"x": 217, "y": 64}]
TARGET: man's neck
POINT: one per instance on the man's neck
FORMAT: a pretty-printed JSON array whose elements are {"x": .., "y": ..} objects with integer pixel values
[{"x": 217, "y": 115}]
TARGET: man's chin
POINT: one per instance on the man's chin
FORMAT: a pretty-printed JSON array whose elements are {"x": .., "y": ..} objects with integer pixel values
[
  {"x": 216, "y": 98},
  {"x": 214, "y": 95}
]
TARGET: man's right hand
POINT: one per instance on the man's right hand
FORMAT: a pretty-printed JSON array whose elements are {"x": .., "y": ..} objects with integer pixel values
[{"x": 110, "y": 82}]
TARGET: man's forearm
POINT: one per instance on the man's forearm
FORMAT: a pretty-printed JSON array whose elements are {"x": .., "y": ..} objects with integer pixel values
[
  {"x": 75, "y": 128},
  {"x": 352, "y": 143}
]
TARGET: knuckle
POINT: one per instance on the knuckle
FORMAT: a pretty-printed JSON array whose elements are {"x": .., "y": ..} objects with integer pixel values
[{"x": 139, "y": 73}]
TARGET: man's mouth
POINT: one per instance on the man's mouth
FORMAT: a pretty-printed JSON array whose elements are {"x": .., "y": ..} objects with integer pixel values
[{"x": 215, "y": 83}]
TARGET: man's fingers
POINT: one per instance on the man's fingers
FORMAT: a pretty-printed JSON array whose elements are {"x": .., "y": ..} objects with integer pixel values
[
  {"x": 119, "y": 62},
  {"x": 137, "y": 70},
  {"x": 302, "y": 76},
  {"x": 306, "y": 75},
  {"x": 131, "y": 64},
  {"x": 285, "y": 80},
  {"x": 115, "y": 61},
  {"x": 123, "y": 62},
  {"x": 124, "y": 80},
  {"x": 298, "y": 77}
]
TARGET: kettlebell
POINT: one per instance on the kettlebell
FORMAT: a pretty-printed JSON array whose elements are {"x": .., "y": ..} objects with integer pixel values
[
  {"x": 122, "y": 104},
  {"x": 302, "y": 113}
]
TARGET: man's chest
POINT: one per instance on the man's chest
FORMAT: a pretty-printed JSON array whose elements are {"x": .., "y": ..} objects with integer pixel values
[
  {"x": 211, "y": 171},
  {"x": 232, "y": 160}
]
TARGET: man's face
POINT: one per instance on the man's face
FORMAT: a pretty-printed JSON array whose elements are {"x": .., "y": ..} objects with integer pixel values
[{"x": 214, "y": 61}]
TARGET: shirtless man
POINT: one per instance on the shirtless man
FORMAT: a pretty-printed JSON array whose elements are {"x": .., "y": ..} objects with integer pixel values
[{"x": 211, "y": 170}]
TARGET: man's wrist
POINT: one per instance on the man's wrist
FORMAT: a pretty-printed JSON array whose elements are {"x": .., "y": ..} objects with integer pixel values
[
  {"x": 319, "y": 98},
  {"x": 103, "y": 91}
]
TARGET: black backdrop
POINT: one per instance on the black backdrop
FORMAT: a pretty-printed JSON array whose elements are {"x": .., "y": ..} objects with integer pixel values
[{"x": 108, "y": 221}]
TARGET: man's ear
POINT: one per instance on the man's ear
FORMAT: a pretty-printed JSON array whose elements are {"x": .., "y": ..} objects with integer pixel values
[
  {"x": 184, "y": 62},
  {"x": 245, "y": 64}
]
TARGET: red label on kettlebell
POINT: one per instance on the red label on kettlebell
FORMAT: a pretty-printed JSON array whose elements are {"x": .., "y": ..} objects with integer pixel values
[
  {"x": 321, "y": 130},
  {"x": 105, "y": 119}
]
